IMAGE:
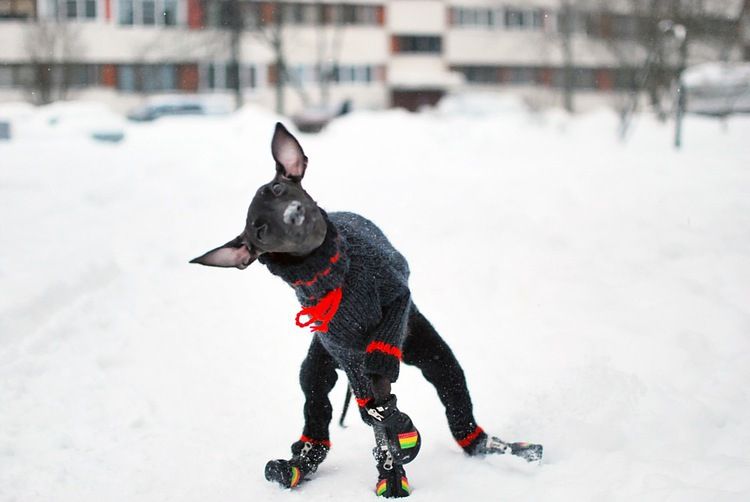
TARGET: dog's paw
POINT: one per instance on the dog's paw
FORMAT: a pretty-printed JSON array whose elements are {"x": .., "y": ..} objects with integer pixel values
[
  {"x": 283, "y": 473},
  {"x": 491, "y": 445},
  {"x": 528, "y": 451},
  {"x": 393, "y": 487}
]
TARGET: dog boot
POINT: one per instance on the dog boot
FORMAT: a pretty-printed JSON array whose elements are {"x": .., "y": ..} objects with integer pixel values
[
  {"x": 307, "y": 455},
  {"x": 392, "y": 480},
  {"x": 491, "y": 445}
]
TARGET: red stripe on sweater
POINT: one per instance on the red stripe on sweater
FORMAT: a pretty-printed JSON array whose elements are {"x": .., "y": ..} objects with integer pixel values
[
  {"x": 463, "y": 443},
  {"x": 333, "y": 259},
  {"x": 362, "y": 401},
  {"x": 314, "y": 279},
  {"x": 324, "y": 442},
  {"x": 384, "y": 348}
]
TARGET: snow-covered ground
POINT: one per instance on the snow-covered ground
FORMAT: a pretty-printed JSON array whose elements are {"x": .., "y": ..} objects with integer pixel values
[{"x": 597, "y": 294}]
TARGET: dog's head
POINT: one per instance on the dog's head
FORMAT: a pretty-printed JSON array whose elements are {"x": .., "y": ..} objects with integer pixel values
[{"x": 282, "y": 217}]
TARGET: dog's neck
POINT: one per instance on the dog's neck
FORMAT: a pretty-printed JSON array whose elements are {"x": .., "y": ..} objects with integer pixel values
[{"x": 317, "y": 273}]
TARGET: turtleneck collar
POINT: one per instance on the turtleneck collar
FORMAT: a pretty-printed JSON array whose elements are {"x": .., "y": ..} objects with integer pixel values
[{"x": 316, "y": 274}]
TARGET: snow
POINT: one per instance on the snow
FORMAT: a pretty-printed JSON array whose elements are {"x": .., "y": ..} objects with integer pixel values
[{"x": 595, "y": 292}]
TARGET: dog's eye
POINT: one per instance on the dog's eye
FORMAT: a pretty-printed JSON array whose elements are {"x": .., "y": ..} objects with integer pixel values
[
  {"x": 260, "y": 231},
  {"x": 277, "y": 189}
]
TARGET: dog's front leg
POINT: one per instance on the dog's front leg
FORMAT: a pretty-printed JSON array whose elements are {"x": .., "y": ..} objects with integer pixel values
[
  {"x": 381, "y": 387},
  {"x": 397, "y": 442},
  {"x": 317, "y": 378}
]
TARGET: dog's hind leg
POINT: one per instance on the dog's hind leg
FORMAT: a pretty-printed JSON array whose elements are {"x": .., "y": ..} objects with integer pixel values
[
  {"x": 317, "y": 378},
  {"x": 425, "y": 349}
]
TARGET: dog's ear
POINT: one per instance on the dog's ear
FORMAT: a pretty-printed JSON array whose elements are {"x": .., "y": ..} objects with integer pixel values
[
  {"x": 232, "y": 254},
  {"x": 291, "y": 161}
]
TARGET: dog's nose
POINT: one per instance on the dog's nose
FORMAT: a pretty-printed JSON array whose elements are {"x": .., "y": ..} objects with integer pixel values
[{"x": 294, "y": 214}]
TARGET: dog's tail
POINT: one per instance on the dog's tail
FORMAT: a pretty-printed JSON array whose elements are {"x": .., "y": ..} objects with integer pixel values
[{"x": 347, "y": 400}]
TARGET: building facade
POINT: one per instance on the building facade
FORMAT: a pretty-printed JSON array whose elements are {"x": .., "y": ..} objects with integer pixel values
[{"x": 374, "y": 53}]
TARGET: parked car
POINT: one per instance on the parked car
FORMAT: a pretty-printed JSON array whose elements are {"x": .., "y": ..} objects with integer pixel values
[
  {"x": 74, "y": 118},
  {"x": 174, "y": 105},
  {"x": 314, "y": 119},
  {"x": 717, "y": 89}
]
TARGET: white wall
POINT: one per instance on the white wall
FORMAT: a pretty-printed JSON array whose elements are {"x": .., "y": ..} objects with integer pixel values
[
  {"x": 358, "y": 44},
  {"x": 417, "y": 16},
  {"x": 13, "y": 42}
]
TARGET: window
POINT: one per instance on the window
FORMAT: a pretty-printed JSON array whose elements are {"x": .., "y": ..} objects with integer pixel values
[
  {"x": 625, "y": 79},
  {"x": 147, "y": 77},
  {"x": 71, "y": 9},
  {"x": 158, "y": 12},
  {"x": 514, "y": 18},
  {"x": 578, "y": 22},
  {"x": 352, "y": 74},
  {"x": 167, "y": 77},
  {"x": 82, "y": 75},
  {"x": 169, "y": 12},
  {"x": 524, "y": 19},
  {"x": 469, "y": 16},
  {"x": 345, "y": 74},
  {"x": 66, "y": 9},
  {"x": 297, "y": 13},
  {"x": 364, "y": 74},
  {"x": 367, "y": 14},
  {"x": 361, "y": 14},
  {"x": 126, "y": 11},
  {"x": 211, "y": 76},
  {"x": 221, "y": 75},
  {"x": 584, "y": 78},
  {"x": 17, "y": 9},
  {"x": 126, "y": 78},
  {"x": 6, "y": 76},
  {"x": 231, "y": 76},
  {"x": 148, "y": 12},
  {"x": 537, "y": 19},
  {"x": 417, "y": 44},
  {"x": 480, "y": 74},
  {"x": 514, "y": 75},
  {"x": 307, "y": 13},
  {"x": 510, "y": 17},
  {"x": 520, "y": 75}
]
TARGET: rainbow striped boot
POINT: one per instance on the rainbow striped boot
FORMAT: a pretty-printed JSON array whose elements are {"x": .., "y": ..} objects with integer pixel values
[
  {"x": 392, "y": 480},
  {"x": 307, "y": 455}
]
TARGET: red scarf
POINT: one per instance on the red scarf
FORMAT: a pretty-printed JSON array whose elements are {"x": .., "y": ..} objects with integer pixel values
[{"x": 322, "y": 312}]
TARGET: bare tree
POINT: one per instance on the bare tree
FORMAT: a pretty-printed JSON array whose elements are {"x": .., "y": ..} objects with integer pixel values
[
  {"x": 566, "y": 29},
  {"x": 262, "y": 20},
  {"x": 233, "y": 18},
  {"x": 236, "y": 21},
  {"x": 266, "y": 22},
  {"x": 329, "y": 51},
  {"x": 657, "y": 38},
  {"x": 51, "y": 45}
]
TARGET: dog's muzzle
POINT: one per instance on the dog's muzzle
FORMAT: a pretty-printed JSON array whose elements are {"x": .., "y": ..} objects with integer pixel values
[{"x": 294, "y": 214}]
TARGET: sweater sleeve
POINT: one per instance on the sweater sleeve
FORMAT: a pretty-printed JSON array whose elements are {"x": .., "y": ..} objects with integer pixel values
[{"x": 383, "y": 352}]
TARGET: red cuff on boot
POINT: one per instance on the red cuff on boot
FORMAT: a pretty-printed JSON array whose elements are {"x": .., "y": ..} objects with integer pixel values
[
  {"x": 463, "y": 443},
  {"x": 324, "y": 442}
]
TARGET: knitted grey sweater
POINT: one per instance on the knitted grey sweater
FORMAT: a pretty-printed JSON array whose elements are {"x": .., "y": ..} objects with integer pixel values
[{"x": 366, "y": 334}]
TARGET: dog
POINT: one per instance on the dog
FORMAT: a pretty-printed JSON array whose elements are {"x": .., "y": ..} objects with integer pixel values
[{"x": 353, "y": 287}]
